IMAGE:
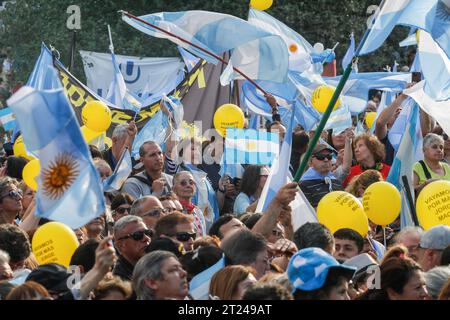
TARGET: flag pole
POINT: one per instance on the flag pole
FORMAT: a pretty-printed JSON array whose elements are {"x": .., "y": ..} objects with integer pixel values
[
  {"x": 72, "y": 50},
  {"x": 331, "y": 104},
  {"x": 195, "y": 46}
]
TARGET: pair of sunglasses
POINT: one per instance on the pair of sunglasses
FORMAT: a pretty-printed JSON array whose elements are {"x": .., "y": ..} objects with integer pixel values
[
  {"x": 121, "y": 210},
  {"x": 184, "y": 183},
  {"x": 184, "y": 236},
  {"x": 322, "y": 157},
  {"x": 15, "y": 194},
  {"x": 154, "y": 212},
  {"x": 138, "y": 235}
]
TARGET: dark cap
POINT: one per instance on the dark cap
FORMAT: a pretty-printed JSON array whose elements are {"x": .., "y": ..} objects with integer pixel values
[
  {"x": 321, "y": 147},
  {"x": 52, "y": 277}
]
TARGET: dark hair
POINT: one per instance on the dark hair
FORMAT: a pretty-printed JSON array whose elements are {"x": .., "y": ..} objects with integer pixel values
[
  {"x": 334, "y": 278},
  {"x": 95, "y": 152},
  {"x": 300, "y": 140},
  {"x": 84, "y": 255},
  {"x": 120, "y": 199},
  {"x": 352, "y": 235},
  {"x": 250, "y": 219},
  {"x": 271, "y": 124},
  {"x": 267, "y": 291},
  {"x": 445, "y": 258},
  {"x": 243, "y": 246},
  {"x": 313, "y": 234},
  {"x": 215, "y": 227},
  {"x": 396, "y": 271},
  {"x": 199, "y": 260},
  {"x": 164, "y": 244},
  {"x": 250, "y": 179},
  {"x": 5, "y": 288},
  {"x": 167, "y": 224},
  {"x": 15, "y": 242},
  {"x": 14, "y": 167}
]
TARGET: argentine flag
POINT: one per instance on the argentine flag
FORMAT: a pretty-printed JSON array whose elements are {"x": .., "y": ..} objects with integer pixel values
[
  {"x": 7, "y": 119},
  {"x": 247, "y": 146},
  {"x": 257, "y": 53},
  {"x": 120, "y": 174},
  {"x": 432, "y": 16}
]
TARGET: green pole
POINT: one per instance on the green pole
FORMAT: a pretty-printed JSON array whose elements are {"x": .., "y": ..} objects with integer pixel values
[{"x": 322, "y": 123}]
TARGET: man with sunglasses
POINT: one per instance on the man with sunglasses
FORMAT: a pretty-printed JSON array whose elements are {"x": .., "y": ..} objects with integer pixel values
[
  {"x": 131, "y": 238},
  {"x": 179, "y": 228},
  {"x": 319, "y": 180},
  {"x": 149, "y": 208},
  {"x": 10, "y": 200}
]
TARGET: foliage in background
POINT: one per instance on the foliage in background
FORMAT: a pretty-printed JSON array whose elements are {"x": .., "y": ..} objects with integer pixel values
[{"x": 29, "y": 22}]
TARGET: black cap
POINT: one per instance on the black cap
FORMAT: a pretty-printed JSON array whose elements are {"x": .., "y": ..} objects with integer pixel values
[{"x": 52, "y": 277}]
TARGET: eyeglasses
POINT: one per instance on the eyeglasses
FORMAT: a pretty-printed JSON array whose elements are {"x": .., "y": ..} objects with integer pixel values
[
  {"x": 184, "y": 236},
  {"x": 121, "y": 210},
  {"x": 15, "y": 194},
  {"x": 322, "y": 157},
  {"x": 154, "y": 212},
  {"x": 138, "y": 235},
  {"x": 184, "y": 183}
]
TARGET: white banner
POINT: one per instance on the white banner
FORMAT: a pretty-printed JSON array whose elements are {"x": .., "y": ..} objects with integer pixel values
[{"x": 151, "y": 75}]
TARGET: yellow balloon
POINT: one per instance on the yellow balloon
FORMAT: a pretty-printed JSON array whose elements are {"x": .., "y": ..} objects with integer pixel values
[
  {"x": 30, "y": 173},
  {"x": 382, "y": 203},
  {"x": 370, "y": 118},
  {"x": 340, "y": 209},
  {"x": 96, "y": 116},
  {"x": 228, "y": 116},
  {"x": 108, "y": 142},
  {"x": 321, "y": 97},
  {"x": 89, "y": 135},
  {"x": 433, "y": 204},
  {"x": 261, "y": 4},
  {"x": 54, "y": 242},
  {"x": 20, "y": 150}
]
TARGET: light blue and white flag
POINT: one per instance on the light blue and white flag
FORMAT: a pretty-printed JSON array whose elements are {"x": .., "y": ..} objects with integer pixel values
[
  {"x": 256, "y": 52},
  {"x": 232, "y": 170},
  {"x": 398, "y": 128},
  {"x": 123, "y": 169},
  {"x": 409, "y": 152},
  {"x": 432, "y": 16},
  {"x": 435, "y": 65},
  {"x": 356, "y": 89},
  {"x": 7, "y": 119},
  {"x": 350, "y": 53},
  {"x": 410, "y": 40},
  {"x": 189, "y": 59},
  {"x": 247, "y": 146},
  {"x": 199, "y": 285},
  {"x": 69, "y": 186}
]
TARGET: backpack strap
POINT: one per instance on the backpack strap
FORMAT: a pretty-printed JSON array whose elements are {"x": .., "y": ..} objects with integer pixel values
[
  {"x": 425, "y": 169},
  {"x": 147, "y": 180}
]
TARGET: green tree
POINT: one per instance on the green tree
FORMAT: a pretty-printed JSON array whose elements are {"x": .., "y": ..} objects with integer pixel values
[{"x": 27, "y": 23}]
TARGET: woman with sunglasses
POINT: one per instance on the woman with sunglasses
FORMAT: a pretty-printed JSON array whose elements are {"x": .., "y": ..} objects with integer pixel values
[
  {"x": 121, "y": 205},
  {"x": 10, "y": 200},
  {"x": 319, "y": 180}
]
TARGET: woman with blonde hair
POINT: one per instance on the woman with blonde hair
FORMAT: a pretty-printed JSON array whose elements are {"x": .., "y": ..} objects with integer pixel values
[{"x": 231, "y": 282}]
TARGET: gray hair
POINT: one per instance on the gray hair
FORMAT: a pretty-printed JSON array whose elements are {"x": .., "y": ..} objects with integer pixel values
[
  {"x": 149, "y": 267},
  {"x": 137, "y": 204},
  {"x": 124, "y": 221},
  {"x": 120, "y": 131},
  {"x": 436, "y": 279},
  {"x": 4, "y": 256},
  {"x": 7, "y": 182},
  {"x": 178, "y": 174},
  {"x": 432, "y": 138},
  {"x": 408, "y": 230}
]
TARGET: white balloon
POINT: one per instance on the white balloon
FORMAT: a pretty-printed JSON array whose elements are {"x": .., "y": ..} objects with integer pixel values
[{"x": 318, "y": 47}]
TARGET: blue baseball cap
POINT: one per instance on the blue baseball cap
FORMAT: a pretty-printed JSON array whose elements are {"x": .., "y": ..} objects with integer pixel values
[{"x": 308, "y": 269}]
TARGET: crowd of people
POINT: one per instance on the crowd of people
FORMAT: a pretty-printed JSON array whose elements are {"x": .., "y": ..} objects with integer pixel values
[{"x": 163, "y": 228}]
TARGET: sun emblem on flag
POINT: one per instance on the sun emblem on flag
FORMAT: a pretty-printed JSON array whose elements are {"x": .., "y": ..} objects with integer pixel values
[
  {"x": 59, "y": 175},
  {"x": 251, "y": 146}
]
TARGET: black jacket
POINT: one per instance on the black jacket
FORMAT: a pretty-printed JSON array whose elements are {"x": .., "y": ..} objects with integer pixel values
[{"x": 123, "y": 269}]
